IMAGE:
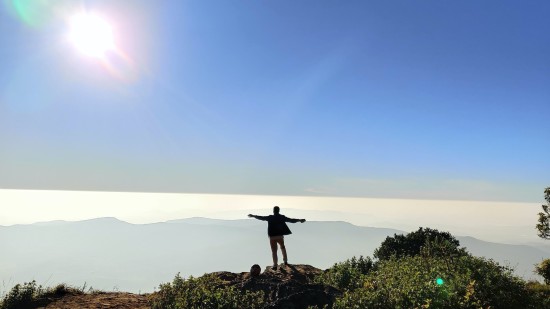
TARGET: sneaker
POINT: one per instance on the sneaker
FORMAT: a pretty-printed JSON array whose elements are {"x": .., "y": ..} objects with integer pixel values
[
  {"x": 286, "y": 264},
  {"x": 274, "y": 266}
]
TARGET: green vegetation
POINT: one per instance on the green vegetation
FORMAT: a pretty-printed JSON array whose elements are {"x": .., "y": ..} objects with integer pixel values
[
  {"x": 427, "y": 269},
  {"x": 22, "y": 296},
  {"x": 541, "y": 293},
  {"x": 464, "y": 282},
  {"x": 425, "y": 240},
  {"x": 543, "y": 226},
  {"x": 347, "y": 275},
  {"x": 543, "y": 269},
  {"x": 207, "y": 291},
  {"x": 30, "y": 295}
]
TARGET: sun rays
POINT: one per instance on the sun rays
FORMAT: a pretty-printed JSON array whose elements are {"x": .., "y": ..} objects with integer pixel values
[{"x": 91, "y": 35}]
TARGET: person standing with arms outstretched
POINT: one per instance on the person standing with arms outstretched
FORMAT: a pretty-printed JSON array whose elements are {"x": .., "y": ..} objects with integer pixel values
[{"x": 277, "y": 229}]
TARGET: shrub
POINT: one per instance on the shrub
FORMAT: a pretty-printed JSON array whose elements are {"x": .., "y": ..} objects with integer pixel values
[
  {"x": 204, "y": 292},
  {"x": 30, "y": 295},
  {"x": 21, "y": 296},
  {"x": 541, "y": 292},
  {"x": 543, "y": 269},
  {"x": 543, "y": 227},
  {"x": 425, "y": 240},
  {"x": 346, "y": 275},
  {"x": 465, "y": 282}
]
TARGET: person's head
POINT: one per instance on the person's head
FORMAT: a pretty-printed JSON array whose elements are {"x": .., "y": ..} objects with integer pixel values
[{"x": 276, "y": 210}]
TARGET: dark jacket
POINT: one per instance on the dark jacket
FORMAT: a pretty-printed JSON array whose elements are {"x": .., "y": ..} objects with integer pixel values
[{"x": 276, "y": 224}]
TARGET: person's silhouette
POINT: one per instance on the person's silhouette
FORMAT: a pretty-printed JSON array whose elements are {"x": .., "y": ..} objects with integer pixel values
[{"x": 276, "y": 229}]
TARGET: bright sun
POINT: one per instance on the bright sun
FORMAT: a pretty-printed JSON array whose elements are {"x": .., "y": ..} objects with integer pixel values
[{"x": 91, "y": 35}]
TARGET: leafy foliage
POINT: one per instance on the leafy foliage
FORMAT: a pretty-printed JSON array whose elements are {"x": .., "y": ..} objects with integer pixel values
[
  {"x": 30, "y": 295},
  {"x": 541, "y": 292},
  {"x": 543, "y": 269},
  {"x": 467, "y": 282},
  {"x": 22, "y": 296},
  {"x": 204, "y": 292},
  {"x": 346, "y": 275},
  {"x": 543, "y": 226},
  {"x": 424, "y": 241}
]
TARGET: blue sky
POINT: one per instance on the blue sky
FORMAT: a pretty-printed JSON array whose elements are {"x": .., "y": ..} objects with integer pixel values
[{"x": 398, "y": 99}]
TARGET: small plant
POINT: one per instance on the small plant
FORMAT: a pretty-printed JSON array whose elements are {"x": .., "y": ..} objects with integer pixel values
[
  {"x": 30, "y": 295},
  {"x": 21, "y": 296}
]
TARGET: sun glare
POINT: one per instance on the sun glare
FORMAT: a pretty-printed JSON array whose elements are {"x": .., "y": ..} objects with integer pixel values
[{"x": 91, "y": 35}]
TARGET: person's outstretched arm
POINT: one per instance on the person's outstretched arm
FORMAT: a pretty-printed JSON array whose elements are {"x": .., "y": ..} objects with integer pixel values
[
  {"x": 294, "y": 220},
  {"x": 263, "y": 218}
]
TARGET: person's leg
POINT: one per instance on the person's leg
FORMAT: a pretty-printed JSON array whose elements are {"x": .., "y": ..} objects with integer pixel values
[
  {"x": 281, "y": 242},
  {"x": 273, "y": 243}
]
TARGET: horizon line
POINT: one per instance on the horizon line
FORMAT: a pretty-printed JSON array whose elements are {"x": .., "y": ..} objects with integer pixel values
[{"x": 265, "y": 195}]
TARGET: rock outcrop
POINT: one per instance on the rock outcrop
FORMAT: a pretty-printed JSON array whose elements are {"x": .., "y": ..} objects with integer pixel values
[{"x": 288, "y": 287}]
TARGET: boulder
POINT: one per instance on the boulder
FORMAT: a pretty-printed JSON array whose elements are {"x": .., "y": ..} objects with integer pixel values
[{"x": 255, "y": 270}]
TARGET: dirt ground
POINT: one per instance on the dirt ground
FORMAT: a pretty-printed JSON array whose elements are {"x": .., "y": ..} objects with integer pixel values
[{"x": 100, "y": 301}]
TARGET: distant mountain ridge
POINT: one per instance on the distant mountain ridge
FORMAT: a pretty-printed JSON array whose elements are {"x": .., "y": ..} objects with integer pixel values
[{"x": 111, "y": 254}]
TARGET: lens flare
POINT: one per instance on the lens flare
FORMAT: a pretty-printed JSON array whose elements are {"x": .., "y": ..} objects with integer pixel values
[
  {"x": 119, "y": 65},
  {"x": 439, "y": 281},
  {"x": 34, "y": 12},
  {"x": 91, "y": 35}
]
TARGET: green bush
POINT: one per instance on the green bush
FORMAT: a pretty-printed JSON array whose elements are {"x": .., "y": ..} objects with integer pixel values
[
  {"x": 30, "y": 295},
  {"x": 543, "y": 269},
  {"x": 465, "y": 282},
  {"x": 424, "y": 241},
  {"x": 541, "y": 292},
  {"x": 346, "y": 275},
  {"x": 204, "y": 292},
  {"x": 543, "y": 227},
  {"x": 22, "y": 296}
]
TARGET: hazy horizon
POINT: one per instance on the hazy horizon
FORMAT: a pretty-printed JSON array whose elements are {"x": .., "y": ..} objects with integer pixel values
[
  {"x": 493, "y": 221},
  {"x": 107, "y": 253}
]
